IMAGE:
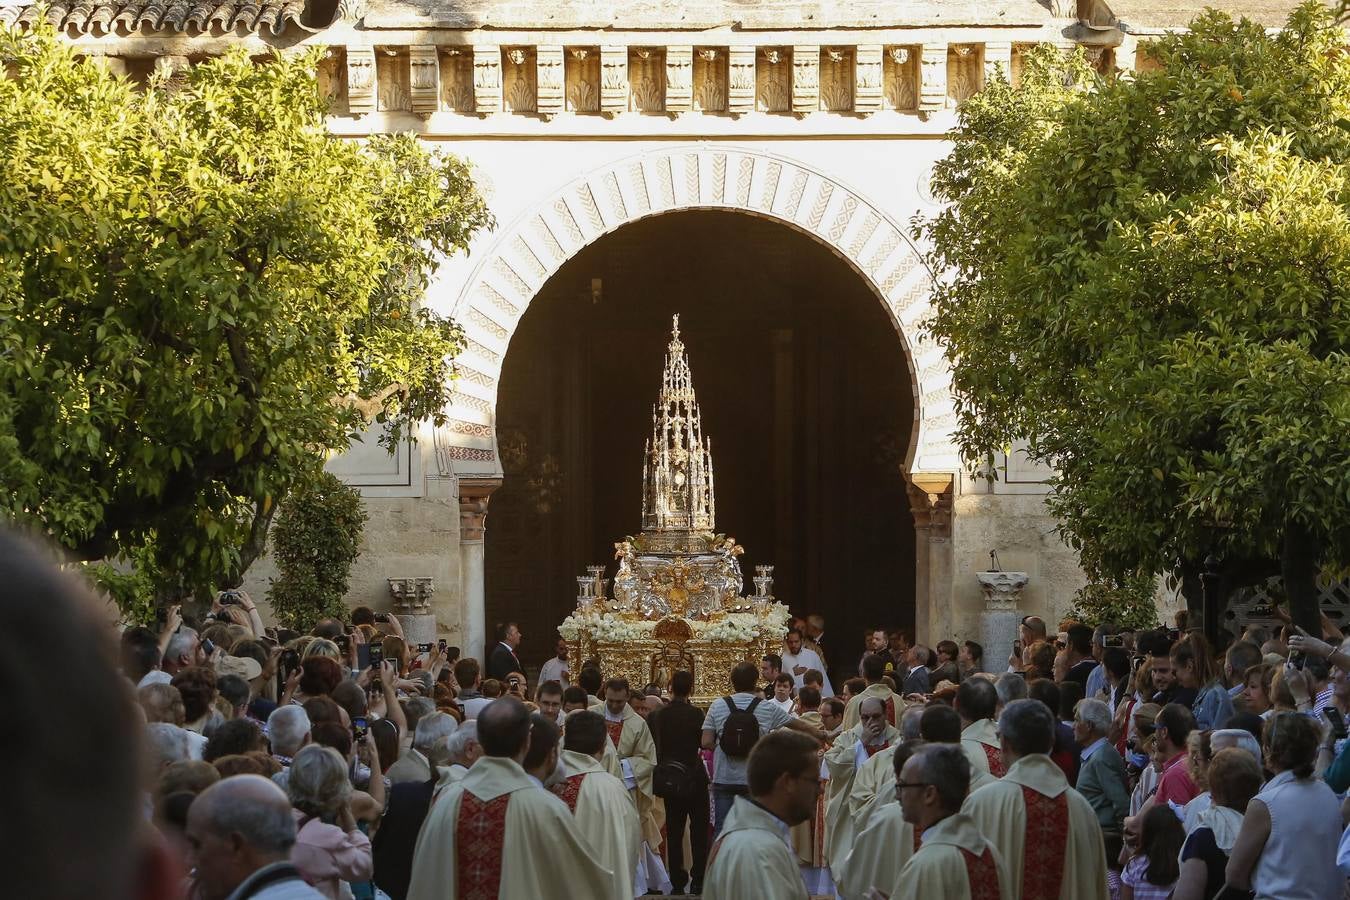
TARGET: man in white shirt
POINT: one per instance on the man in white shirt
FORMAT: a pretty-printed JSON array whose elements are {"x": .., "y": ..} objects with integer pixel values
[
  {"x": 556, "y": 668},
  {"x": 799, "y": 659}
]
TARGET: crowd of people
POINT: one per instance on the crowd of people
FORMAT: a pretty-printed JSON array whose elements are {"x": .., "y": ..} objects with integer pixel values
[{"x": 232, "y": 761}]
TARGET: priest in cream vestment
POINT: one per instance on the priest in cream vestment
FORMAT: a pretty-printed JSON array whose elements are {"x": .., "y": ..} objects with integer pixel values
[
  {"x": 850, "y": 752},
  {"x": 1046, "y": 832},
  {"x": 884, "y": 841},
  {"x": 953, "y": 860},
  {"x": 634, "y": 757},
  {"x": 753, "y": 858},
  {"x": 976, "y": 702},
  {"x": 605, "y": 814},
  {"x": 873, "y": 671},
  {"x": 460, "y": 851}
]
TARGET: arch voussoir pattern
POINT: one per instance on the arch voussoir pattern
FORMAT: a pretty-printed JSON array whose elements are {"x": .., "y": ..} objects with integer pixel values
[{"x": 529, "y": 251}]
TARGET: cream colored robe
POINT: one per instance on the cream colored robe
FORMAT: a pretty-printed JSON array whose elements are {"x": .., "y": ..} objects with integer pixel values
[
  {"x": 841, "y": 763},
  {"x": 808, "y": 837},
  {"x": 865, "y": 801},
  {"x": 550, "y": 860},
  {"x": 1000, "y": 813},
  {"x": 938, "y": 870},
  {"x": 751, "y": 859},
  {"x": 852, "y": 715},
  {"x": 607, "y": 820},
  {"x": 974, "y": 738},
  {"x": 636, "y": 746},
  {"x": 879, "y": 853}
]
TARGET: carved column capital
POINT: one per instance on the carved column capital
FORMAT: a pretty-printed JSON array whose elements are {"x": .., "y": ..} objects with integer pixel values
[
  {"x": 930, "y": 501},
  {"x": 474, "y": 494}
]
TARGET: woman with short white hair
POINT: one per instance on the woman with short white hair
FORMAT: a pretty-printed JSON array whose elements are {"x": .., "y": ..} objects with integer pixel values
[{"x": 329, "y": 848}]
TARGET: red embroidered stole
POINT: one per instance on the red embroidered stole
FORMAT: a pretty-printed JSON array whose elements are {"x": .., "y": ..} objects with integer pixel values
[
  {"x": 872, "y": 750},
  {"x": 1047, "y": 841},
  {"x": 615, "y": 730},
  {"x": 569, "y": 790},
  {"x": 981, "y": 874},
  {"x": 995, "y": 757},
  {"x": 480, "y": 834},
  {"x": 890, "y": 709}
]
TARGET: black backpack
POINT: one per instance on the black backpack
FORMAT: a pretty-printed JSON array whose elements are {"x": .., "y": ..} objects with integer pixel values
[{"x": 740, "y": 731}]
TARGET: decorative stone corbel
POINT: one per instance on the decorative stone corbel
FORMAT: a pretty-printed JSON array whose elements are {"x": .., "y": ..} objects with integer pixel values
[
  {"x": 613, "y": 80},
  {"x": 487, "y": 78},
  {"x": 933, "y": 78},
  {"x": 424, "y": 79},
  {"x": 679, "y": 79},
  {"x": 805, "y": 79},
  {"x": 360, "y": 80},
  {"x": 548, "y": 62},
  {"x": 867, "y": 78},
  {"x": 930, "y": 499},
  {"x": 740, "y": 80}
]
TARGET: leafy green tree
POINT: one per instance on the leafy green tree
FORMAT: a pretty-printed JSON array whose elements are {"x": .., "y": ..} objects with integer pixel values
[
  {"x": 316, "y": 539},
  {"x": 1148, "y": 281},
  {"x": 202, "y": 294},
  {"x": 1128, "y": 604}
]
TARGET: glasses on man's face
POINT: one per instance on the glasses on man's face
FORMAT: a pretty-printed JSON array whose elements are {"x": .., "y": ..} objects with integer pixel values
[{"x": 901, "y": 785}]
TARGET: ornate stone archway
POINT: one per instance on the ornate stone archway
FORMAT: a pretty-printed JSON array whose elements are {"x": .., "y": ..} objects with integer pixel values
[{"x": 527, "y": 252}]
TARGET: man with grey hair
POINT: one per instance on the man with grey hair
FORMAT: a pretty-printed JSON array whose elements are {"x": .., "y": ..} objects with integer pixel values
[
  {"x": 954, "y": 861},
  {"x": 1010, "y": 686},
  {"x": 241, "y": 832},
  {"x": 851, "y": 750},
  {"x": 1101, "y": 777},
  {"x": 1045, "y": 831},
  {"x": 288, "y": 730},
  {"x": 184, "y": 650},
  {"x": 415, "y": 764},
  {"x": 165, "y": 744}
]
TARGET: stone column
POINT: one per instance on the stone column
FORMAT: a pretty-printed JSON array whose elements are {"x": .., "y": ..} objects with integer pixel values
[
  {"x": 473, "y": 505},
  {"x": 1001, "y": 616},
  {"x": 930, "y": 498}
]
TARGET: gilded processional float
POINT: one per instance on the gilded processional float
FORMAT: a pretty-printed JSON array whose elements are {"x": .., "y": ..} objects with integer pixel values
[{"x": 677, "y": 601}]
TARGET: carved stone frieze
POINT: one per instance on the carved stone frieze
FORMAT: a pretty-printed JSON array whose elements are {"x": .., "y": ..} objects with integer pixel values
[
  {"x": 710, "y": 79},
  {"x": 679, "y": 79},
  {"x": 773, "y": 80},
  {"x": 867, "y": 78},
  {"x": 518, "y": 80},
  {"x": 805, "y": 79},
  {"x": 391, "y": 72},
  {"x": 360, "y": 80},
  {"x": 549, "y": 80},
  {"x": 965, "y": 73},
  {"x": 457, "y": 79},
  {"x": 332, "y": 80},
  {"x": 742, "y": 84},
  {"x": 836, "y": 79},
  {"x": 487, "y": 78},
  {"x": 933, "y": 77},
  {"x": 901, "y": 66},
  {"x": 582, "y": 68},
  {"x": 647, "y": 79},
  {"x": 424, "y": 79},
  {"x": 613, "y": 79}
]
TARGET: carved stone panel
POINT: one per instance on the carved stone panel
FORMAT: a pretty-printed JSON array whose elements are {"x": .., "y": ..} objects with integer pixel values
[
  {"x": 901, "y": 67},
  {"x": 332, "y": 77},
  {"x": 457, "y": 79},
  {"x": 933, "y": 77},
  {"x": 391, "y": 72},
  {"x": 965, "y": 73},
  {"x": 867, "y": 78},
  {"x": 548, "y": 63},
  {"x": 836, "y": 79},
  {"x": 805, "y": 79},
  {"x": 424, "y": 79},
  {"x": 997, "y": 55},
  {"x": 647, "y": 79},
  {"x": 679, "y": 79},
  {"x": 487, "y": 78},
  {"x": 518, "y": 80},
  {"x": 613, "y": 79},
  {"x": 360, "y": 80},
  {"x": 742, "y": 83},
  {"x": 582, "y": 65},
  {"x": 773, "y": 80}
]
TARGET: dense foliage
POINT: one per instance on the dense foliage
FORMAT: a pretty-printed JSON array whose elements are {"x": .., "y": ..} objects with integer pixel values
[
  {"x": 1146, "y": 281},
  {"x": 1128, "y": 604},
  {"x": 316, "y": 539},
  {"x": 203, "y": 293}
]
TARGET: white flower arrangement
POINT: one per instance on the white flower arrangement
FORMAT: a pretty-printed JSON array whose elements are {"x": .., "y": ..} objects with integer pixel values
[
  {"x": 734, "y": 628},
  {"x": 603, "y": 627}
]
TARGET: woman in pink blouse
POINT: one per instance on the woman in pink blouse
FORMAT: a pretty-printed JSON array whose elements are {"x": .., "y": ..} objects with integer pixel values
[{"x": 329, "y": 849}]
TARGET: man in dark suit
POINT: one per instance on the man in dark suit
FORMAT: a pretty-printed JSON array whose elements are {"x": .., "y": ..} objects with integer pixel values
[
  {"x": 678, "y": 730},
  {"x": 393, "y": 845},
  {"x": 503, "y": 660}
]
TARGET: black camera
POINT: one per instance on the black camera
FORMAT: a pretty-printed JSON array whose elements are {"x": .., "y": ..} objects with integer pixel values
[
  {"x": 424, "y": 648},
  {"x": 229, "y": 598}
]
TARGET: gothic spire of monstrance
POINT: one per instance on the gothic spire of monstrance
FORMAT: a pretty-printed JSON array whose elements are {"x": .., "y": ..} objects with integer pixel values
[{"x": 677, "y": 475}]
